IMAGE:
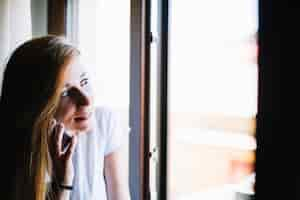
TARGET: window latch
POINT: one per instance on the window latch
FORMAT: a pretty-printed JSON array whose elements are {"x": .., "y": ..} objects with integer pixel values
[{"x": 153, "y": 154}]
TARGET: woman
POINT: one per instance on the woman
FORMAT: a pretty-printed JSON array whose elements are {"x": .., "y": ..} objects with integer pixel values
[{"x": 46, "y": 92}]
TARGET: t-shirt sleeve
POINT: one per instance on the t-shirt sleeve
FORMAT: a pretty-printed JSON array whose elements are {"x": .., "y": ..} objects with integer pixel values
[{"x": 117, "y": 132}]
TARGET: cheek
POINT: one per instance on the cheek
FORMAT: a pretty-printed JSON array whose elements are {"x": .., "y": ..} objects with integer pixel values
[{"x": 64, "y": 112}]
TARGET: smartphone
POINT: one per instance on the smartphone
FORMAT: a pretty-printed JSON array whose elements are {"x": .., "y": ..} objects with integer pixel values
[{"x": 66, "y": 140}]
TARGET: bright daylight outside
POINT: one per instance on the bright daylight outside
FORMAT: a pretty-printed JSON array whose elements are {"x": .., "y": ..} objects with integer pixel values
[
  {"x": 103, "y": 36},
  {"x": 212, "y": 99},
  {"x": 212, "y": 89}
]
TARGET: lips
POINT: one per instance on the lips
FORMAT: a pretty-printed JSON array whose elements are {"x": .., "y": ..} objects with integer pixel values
[
  {"x": 78, "y": 119},
  {"x": 82, "y": 117}
]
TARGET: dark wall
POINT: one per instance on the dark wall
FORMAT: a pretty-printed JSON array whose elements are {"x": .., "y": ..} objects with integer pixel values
[{"x": 276, "y": 156}]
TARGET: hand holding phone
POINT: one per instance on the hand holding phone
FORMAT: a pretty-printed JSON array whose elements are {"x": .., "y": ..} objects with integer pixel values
[
  {"x": 66, "y": 137},
  {"x": 66, "y": 140},
  {"x": 62, "y": 146}
]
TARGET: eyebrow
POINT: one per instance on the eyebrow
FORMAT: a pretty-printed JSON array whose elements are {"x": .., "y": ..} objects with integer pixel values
[
  {"x": 66, "y": 85},
  {"x": 83, "y": 74}
]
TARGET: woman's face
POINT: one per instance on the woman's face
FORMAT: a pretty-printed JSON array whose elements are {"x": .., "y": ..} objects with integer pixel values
[{"x": 76, "y": 100}]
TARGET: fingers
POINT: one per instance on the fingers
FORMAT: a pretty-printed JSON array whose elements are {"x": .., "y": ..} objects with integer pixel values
[
  {"x": 58, "y": 139},
  {"x": 52, "y": 124},
  {"x": 51, "y": 130},
  {"x": 51, "y": 136},
  {"x": 71, "y": 148}
]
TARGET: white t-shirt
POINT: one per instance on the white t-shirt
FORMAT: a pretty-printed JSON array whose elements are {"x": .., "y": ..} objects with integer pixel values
[{"x": 88, "y": 159}]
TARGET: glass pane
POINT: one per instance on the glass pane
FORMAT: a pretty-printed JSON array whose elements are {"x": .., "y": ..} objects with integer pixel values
[
  {"x": 103, "y": 37},
  {"x": 212, "y": 99},
  {"x": 154, "y": 102}
]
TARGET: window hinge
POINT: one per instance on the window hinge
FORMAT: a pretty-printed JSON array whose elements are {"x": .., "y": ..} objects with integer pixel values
[{"x": 152, "y": 37}]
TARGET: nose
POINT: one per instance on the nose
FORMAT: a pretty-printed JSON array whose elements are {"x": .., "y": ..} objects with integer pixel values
[{"x": 82, "y": 98}]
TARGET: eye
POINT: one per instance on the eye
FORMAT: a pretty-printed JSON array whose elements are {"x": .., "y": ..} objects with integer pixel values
[
  {"x": 84, "y": 82},
  {"x": 64, "y": 93}
]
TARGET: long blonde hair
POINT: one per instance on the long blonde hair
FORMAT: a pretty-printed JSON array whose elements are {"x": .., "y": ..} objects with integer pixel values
[{"x": 37, "y": 66}]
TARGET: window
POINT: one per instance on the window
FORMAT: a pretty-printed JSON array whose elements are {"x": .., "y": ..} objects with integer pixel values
[
  {"x": 103, "y": 37},
  {"x": 212, "y": 99},
  {"x": 101, "y": 31},
  {"x": 212, "y": 93}
]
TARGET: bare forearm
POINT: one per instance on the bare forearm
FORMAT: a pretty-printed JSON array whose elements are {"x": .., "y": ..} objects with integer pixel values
[
  {"x": 116, "y": 171},
  {"x": 63, "y": 195},
  {"x": 116, "y": 179},
  {"x": 58, "y": 193},
  {"x": 117, "y": 191}
]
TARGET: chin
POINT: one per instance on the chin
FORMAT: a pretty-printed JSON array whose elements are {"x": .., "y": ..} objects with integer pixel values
[{"x": 84, "y": 127}]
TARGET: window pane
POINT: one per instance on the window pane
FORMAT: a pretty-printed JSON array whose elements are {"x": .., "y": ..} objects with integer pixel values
[
  {"x": 212, "y": 98},
  {"x": 104, "y": 40},
  {"x": 154, "y": 102}
]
